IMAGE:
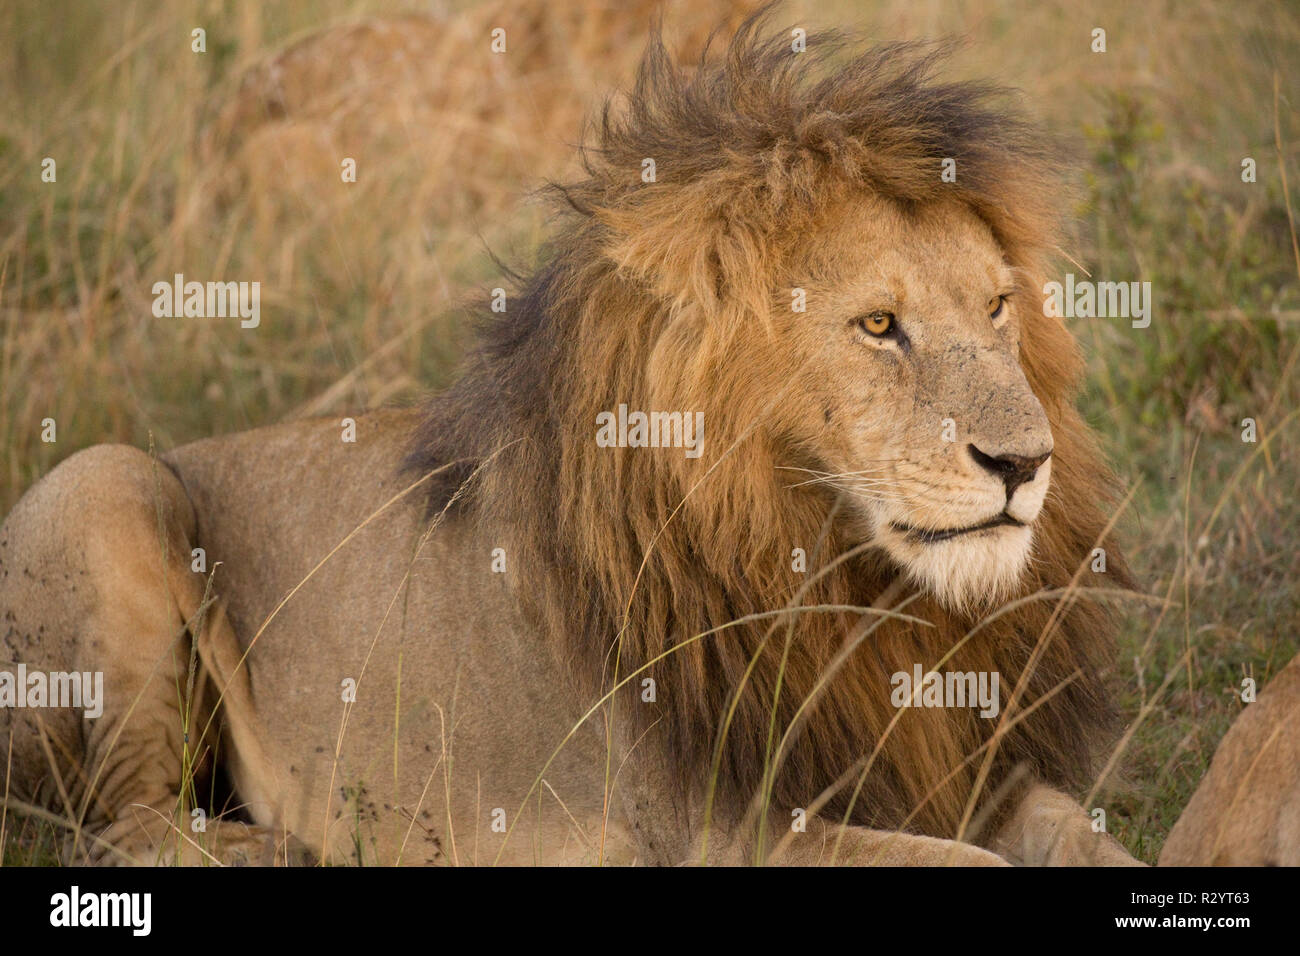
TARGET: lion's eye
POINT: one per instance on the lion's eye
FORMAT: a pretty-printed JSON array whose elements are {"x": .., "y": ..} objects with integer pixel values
[
  {"x": 996, "y": 305},
  {"x": 879, "y": 324}
]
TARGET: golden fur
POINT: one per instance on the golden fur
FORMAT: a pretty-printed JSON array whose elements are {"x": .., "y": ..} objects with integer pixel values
[
  {"x": 774, "y": 171},
  {"x": 752, "y": 156},
  {"x": 1246, "y": 810}
]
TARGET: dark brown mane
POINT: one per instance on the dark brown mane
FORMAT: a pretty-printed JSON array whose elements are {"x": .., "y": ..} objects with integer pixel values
[{"x": 750, "y": 153}]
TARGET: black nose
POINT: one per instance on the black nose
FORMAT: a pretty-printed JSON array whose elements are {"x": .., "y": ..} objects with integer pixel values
[{"x": 1014, "y": 470}]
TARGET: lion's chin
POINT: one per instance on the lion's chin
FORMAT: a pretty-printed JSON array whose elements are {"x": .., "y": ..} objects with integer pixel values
[{"x": 972, "y": 572}]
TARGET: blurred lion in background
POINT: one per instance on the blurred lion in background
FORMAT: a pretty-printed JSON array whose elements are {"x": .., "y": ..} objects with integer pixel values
[{"x": 1246, "y": 811}]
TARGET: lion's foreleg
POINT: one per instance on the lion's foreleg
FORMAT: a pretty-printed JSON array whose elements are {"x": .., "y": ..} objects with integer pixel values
[
  {"x": 825, "y": 843},
  {"x": 1048, "y": 828}
]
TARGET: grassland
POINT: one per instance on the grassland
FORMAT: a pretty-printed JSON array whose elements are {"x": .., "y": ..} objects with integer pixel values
[{"x": 362, "y": 289}]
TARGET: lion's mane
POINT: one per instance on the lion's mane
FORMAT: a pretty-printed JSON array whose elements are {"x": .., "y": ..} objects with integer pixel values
[{"x": 646, "y": 291}]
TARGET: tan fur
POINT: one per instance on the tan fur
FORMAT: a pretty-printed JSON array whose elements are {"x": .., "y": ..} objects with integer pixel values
[
  {"x": 478, "y": 689},
  {"x": 767, "y": 182},
  {"x": 1246, "y": 812}
]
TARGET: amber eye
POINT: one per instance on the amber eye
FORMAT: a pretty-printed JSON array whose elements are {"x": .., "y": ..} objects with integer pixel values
[
  {"x": 996, "y": 305},
  {"x": 878, "y": 324}
]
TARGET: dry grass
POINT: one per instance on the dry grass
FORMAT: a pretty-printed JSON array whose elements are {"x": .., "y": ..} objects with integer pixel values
[{"x": 361, "y": 282}]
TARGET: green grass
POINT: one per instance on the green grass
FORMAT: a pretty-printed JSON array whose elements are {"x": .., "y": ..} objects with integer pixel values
[
  {"x": 1214, "y": 520},
  {"x": 359, "y": 306}
]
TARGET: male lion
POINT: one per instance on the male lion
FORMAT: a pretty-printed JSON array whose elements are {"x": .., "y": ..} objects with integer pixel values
[{"x": 477, "y": 634}]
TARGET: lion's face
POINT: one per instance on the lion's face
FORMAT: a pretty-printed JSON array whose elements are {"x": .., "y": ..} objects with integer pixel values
[{"x": 917, "y": 406}]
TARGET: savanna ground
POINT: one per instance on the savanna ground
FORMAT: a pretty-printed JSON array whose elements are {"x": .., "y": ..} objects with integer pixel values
[{"x": 363, "y": 285}]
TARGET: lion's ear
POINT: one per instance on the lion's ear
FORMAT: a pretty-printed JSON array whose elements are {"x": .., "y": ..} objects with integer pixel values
[{"x": 693, "y": 245}]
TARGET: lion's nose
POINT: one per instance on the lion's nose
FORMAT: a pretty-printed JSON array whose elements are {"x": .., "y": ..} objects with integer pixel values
[{"x": 1014, "y": 470}]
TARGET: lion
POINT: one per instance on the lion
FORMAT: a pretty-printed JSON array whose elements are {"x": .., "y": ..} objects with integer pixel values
[
  {"x": 1246, "y": 811},
  {"x": 472, "y": 632}
]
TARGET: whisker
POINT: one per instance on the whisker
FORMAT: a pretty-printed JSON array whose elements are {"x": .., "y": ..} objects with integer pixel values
[
  {"x": 828, "y": 479},
  {"x": 811, "y": 471}
]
